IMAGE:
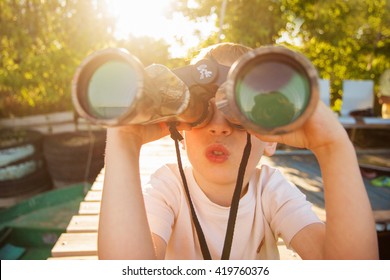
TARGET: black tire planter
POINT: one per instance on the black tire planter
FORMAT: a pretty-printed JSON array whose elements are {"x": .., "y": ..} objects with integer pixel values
[
  {"x": 21, "y": 168},
  {"x": 38, "y": 180},
  {"x": 10, "y": 138},
  {"x": 74, "y": 157},
  {"x": 22, "y": 174}
]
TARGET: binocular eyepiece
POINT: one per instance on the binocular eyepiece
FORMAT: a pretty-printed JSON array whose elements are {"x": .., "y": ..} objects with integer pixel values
[{"x": 270, "y": 90}]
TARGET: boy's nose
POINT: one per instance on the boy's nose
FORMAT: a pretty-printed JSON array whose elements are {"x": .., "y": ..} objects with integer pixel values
[{"x": 219, "y": 125}]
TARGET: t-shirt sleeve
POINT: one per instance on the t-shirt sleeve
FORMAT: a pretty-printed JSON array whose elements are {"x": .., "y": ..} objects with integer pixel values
[
  {"x": 160, "y": 196},
  {"x": 285, "y": 206}
]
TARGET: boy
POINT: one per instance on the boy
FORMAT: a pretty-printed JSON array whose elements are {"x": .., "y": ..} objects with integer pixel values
[{"x": 158, "y": 224}]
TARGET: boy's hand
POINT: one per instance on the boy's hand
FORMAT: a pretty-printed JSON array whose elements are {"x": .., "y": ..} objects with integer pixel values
[{"x": 321, "y": 130}]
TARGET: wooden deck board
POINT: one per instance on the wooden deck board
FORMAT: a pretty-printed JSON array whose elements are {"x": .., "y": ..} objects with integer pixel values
[
  {"x": 382, "y": 216},
  {"x": 97, "y": 185},
  {"x": 94, "y": 257},
  {"x": 83, "y": 223},
  {"x": 89, "y": 208},
  {"x": 93, "y": 195},
  {"x": 75, "y": 244}
]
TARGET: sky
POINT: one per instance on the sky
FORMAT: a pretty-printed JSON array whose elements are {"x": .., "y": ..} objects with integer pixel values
[{"x": 151, "y": 18}]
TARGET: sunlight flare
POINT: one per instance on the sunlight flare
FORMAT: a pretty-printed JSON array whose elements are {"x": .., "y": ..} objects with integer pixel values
[{"x": 152, "y": 18}]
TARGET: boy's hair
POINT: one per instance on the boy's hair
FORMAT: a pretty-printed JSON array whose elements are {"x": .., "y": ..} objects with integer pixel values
[{"x": 223, "y": 53}]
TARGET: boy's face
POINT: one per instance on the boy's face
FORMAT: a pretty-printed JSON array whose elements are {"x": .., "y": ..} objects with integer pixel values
[{"x": 215, "y": 150}]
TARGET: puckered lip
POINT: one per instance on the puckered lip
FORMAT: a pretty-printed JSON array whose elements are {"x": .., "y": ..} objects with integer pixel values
[{"x": 217, "y": 153}]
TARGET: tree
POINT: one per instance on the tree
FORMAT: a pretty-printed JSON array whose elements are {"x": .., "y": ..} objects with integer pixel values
[
  {"x": 345, "y": 39},
  {"x": 147, "y": 49},
  {"x": 249, "y": 22},
  {"x": 43, "y": 42}
]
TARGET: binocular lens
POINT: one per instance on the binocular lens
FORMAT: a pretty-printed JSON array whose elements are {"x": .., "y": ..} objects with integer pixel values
[
  {"x": 272, "y": 94},
  {"x": 112, "y": 89}
]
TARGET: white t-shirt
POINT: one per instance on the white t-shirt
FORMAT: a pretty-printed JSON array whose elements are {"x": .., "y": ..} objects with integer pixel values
[{"x": 272, "y": 207}]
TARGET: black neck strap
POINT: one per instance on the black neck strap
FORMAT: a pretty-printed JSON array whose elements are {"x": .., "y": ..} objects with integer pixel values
[{"x": 176, "y": 136}]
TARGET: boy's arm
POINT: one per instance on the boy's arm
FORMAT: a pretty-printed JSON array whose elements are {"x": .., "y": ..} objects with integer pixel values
[
  {"x": 124, "y": 231},
  {"x": 349, "y": 232},
  {"x": 350, "y": 227}
]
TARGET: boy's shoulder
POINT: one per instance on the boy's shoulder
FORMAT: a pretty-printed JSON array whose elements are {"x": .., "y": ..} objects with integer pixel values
[
  {"x": 168, "y": 170},
  {"x": 266, "y": 171},
  {"x": 169, "y": 174}
]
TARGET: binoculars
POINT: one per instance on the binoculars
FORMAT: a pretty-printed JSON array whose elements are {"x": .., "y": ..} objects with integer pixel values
[{"x": 269, "y": 90}]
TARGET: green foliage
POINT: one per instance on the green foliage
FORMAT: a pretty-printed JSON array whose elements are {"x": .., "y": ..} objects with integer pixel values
[
  {"x": 249, "y": 22},
  {"x": 43, "y": 42},
  {"x": 345, "y": 39},
  {"x": 147, "y": 49}
]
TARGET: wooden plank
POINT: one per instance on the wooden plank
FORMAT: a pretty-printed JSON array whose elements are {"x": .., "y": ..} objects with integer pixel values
[
  {"x": 73, "y": 258},
  {"x": 382, "y": 215},
  {"x": 100, "y": 177},
  {"x": 93, "y": 196},
  {"x": 83, "y": 223},
  {"x": 377, "y": 162},
  {"x": 97, "y": 185},
  {"x": 75, "y": 244},
  {"x": 89, "y": 208}
]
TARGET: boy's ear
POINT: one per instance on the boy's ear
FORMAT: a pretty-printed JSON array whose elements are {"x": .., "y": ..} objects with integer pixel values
[{"x": 270, "y": 148}]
